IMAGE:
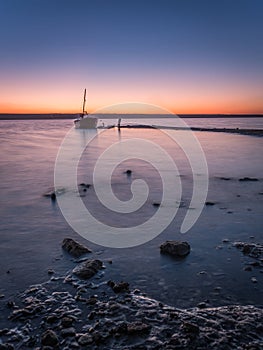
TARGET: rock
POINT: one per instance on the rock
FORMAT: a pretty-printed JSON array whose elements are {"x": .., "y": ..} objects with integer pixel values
[
  {"x": 87, "y": 269},
  {"x": 66, "y": 322},
  {"x": 119, "y": 287},
  {"x": 6, "y": 346},
  {"x": 247, "y": 268},
  {"x": 254, "y": 280},
  {"x": 209, "y": 203},
  {"x": 74, "y": 248},
  {"x": 156, "y": 204},
  {"x": 202, "y": 305},
  {"x": 49, "y": 338},
  {"x": 85, "y": 339},
  {"x": 138, "y": 328},
  {"x": 189, "y": 327},
  {"x": 53, "y": 196},
  {"x": 85, "y": 185},
  {"x": 68, "y": 332},
  {"x": 248, "y": 179},
  {"x": 175, "y": 248}
]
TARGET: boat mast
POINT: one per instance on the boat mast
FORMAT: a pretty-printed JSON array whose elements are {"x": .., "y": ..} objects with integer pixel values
[{"x": 84, "y": 102}]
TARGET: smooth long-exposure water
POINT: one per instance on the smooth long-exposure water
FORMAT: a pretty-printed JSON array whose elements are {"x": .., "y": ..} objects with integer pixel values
[{"x": 32, "y": 226}]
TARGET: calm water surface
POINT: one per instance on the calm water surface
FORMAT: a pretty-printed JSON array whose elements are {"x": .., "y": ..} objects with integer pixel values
[{"x": 32, "y": 227}]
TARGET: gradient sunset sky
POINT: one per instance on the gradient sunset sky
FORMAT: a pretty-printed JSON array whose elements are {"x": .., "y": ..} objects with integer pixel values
[{"x": 188, "y": 56}]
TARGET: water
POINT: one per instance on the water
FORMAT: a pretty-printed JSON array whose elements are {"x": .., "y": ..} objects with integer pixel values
[{"x": 32, "y": 226}]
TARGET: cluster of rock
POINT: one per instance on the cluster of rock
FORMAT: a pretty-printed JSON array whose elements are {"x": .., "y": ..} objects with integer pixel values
[
  {"x": 49, "y": 319},
  {"x": 69, "y": 315},
  {"x": 255, "y": 252}
]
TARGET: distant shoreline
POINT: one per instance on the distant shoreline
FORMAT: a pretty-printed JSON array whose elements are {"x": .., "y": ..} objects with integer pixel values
[{"x": 62, "y": 116}]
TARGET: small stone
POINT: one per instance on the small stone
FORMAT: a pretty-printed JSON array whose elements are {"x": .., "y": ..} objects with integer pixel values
[
  {"x": 247, "y": 268},
  {"x": 189, "y": 327},
  {"x": 119, "y": 287},
  {"x": 209, "y": 203},
  {"x": 87, "y": 269},
  {"x": 202, "y": 305},
  {"x": 68, "y": 332},
  {"x": 175, "y": 248},
  {"x": 49, "y": 338},
  {"x": 202, "y": 273},
  {"x": 254, "y": 280},
  {"x": 67, "y": 322},
  {"x": 225, "y": 240},
  {"x": 138, "y": 328},
  {"x": 6, "y": 346},
  {"x": 92, "y": 301},
  {"x": 156, "y": 204},
  {"x": 50, "y": 271},
  {"x": 85, "y": 339},
  {"x": 74, "y": 248}
]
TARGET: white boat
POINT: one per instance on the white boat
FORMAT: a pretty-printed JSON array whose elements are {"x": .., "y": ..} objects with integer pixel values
[{"x": 85, "y": 121}]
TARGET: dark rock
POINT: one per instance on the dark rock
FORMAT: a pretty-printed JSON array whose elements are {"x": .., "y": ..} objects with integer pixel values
[
  {"x": 138, "y": 328},
  {"x": 84, "y": 185},
  {"x": 67, "y": 322},
  {"x": 87, "y": 269},
  {"x": 49, "y": 338},
  {"x": 190, "y": 328},
  {"x": 119, "y": 287},
  {"x": 156, "y": 204},
  {"x": 85, "y": 339},
  {"x": 6, "y": 346},
  {"x": 51, "y": 319},
  {"x": 202, "y": 305},
  {"x": 74, "y": 248},
  {"x": 225, "y": 178},
  {"x": 53, "y": 196},
  {"x": 209, "y": 203},
  {"x": 247, "y": 268},
  {"x": 175, "y": 248},
  {"x": 92, "y": 301},
  {"x": 68, "y": 332},
  {"x": 248, "y": 179}
]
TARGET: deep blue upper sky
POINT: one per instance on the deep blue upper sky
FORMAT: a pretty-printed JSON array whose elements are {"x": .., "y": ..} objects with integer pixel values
[{"x": 179, "y": 53}]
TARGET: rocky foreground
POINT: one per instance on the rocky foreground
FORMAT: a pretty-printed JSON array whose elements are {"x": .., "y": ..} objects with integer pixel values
[{"x": 78, "y": 311}]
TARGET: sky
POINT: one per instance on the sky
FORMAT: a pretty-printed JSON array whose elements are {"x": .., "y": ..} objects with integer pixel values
[{"x": 186, "y": 56}]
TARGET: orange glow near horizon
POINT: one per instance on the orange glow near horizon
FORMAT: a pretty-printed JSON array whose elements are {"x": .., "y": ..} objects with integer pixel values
[{"x": 186, "y": 97}]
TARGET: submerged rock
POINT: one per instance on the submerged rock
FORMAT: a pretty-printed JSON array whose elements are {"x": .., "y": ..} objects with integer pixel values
[
  {"x": 248, "y": 179},
  {"x": 87, "y": 269},
  {"x": 175, "y": 248},
  {"x": 209, "y": 203},
  {"x": 74, "y": 248}
]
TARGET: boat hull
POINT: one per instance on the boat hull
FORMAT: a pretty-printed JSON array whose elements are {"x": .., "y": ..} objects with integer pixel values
[{"x": 86, "y": 123}]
